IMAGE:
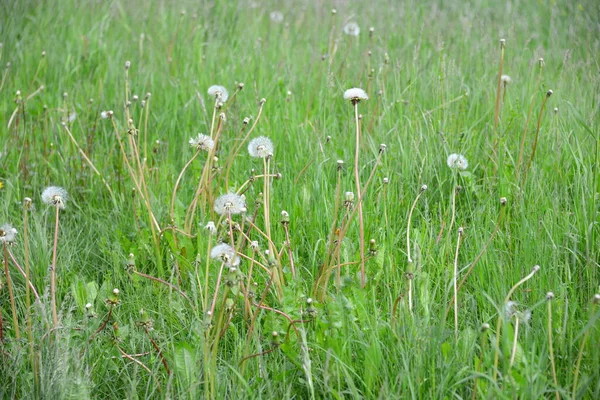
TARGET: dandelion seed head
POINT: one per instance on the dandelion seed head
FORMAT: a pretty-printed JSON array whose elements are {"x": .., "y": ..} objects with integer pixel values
[
  {"x": 549, "y": 296},
  {"x": 7, "y": 233},
  {"x": 506, "y": 79},
  {"x": 260, "y": 147},
  {"x": 457, "y": 161},
  {"x": 276, "y": 16},
  {"x": 230, "y": 203},
  {"x": 202, "y": 142},
  {"x": 352, "y": 29},
  {"x": 55, "y": 196},
  {"x": 225, "y": 253},
  {"x": 218, "y": 92},
  {"x": 116, "y": 292},
  {"x": 211, "y": 228},
  {"x": 355, "y": 95}
]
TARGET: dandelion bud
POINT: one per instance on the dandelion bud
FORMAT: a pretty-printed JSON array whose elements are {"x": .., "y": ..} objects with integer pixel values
[
  {"x": 549, "y": 93},
  {"x": 88, "y": 306},
  {"x": 506, "y": 79},
  {"x": 143, "y": 103},
  {"x": 369, "y": 54},
  {"x": 502, "y": 43},
  {"x": 135, "y": 98},
  {"x": 373, "y": 247},
  {"x": 116, "y": 292},
  {"x": 65, "y": 94},
  {"x": 386, "y": 181},
  {"x": 536, "y": 268},
  {"x": 423, "y": 188},
  {"x": 27, "y": 202},
  {"x": 349, "y": 196},
  {"x": 386, "y": 58},
  {"x": 371, "y": 30},
  {"x": 485, "y": 326},
  {"x": 555, "y": 110},
  {"x": 240, "y": 86},
  {"x": 246, "y": 121},
  {"x": 285, "y": 218},
  {"x": 549, "y": 296},
  {"x": 503, "y": 201},
  {"x": 110, "y": 113},
  {"x": 127, "y": 65},
  {"x": 7, "y": 65},
  {"x": 460, "y": 231},
  {"x": 263, "y": 101},
  {"x": 333, "y": 11},
  {"x": 596, "y": 298},
  {"x": 254, "y": 245},
  {"x": 340, "y": 164},
  {"x": 148, "y": 95},
  {"x": 382, "y": 148}
]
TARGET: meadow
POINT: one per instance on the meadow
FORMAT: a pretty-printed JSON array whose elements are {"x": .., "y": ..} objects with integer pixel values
[{"x": 299, "y": 199}]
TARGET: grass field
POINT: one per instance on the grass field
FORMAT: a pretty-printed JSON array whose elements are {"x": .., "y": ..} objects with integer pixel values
[{"x": 440, "y": 239}]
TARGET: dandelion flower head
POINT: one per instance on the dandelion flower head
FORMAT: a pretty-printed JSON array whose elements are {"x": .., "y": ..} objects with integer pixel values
[
  {"x": 276, "y": 16},
  {"x": 202, "y": 142},
  {"x": 7, "y": 233},
  {"x": 355, "y": 95},
  {"x": 218, "y": 92},
  {"x": 225, "y": 253},
  {"x": 351, "y": 29},
  {"x": 55, "y": 196},
  {"x": 230, "y": 203},
  {"x": 260, "y": 147},
  {"x": 457, "y": 161}
]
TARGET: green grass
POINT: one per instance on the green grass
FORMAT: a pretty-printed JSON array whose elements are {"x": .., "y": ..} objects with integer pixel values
[{"x": 430, "y": 69}]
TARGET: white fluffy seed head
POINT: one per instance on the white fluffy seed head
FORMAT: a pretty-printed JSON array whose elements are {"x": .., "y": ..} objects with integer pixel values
[
  {"x": 276, "y": 16},
  {"x": 55, "y": 196},
  {"x": 225, "y": 253},
  {"x": 457, "y": 161},
  {"x": 230, "y": 203},
  {"x": 202, "y": 142},
  {"x": 352, "y": 29},
  {"x": 355, "y": 95},
  {"x": 7, "y": 233},
  {"x": 260, "y": 147},
  {"x": 219, "y": 93}
]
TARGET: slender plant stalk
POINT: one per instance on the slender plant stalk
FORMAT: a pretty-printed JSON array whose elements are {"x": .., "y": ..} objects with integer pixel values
[
  {"x": 483, "y": 250},
  {"x": 172, "y": 213},
  {"x": 53, "y": 270},
  {"x": 454, "y": 281},
  {"x": 537, "y": 132},
  {"x": 410, "y": 213},
  {"x": 515, "y": 341},
  {"x": 500, "y": 317},
  {"x": 361, "y": 222},
  {"x": 90, "y": 163},
  {"x": 581, "y": 350},
  {"x": 499, "y": 88},
  {"x": 524, "y": 134},
  {"x": 549, "y": 298},
  {"x": 33, "y": 359},
  {"x": 11, "y": 294}
]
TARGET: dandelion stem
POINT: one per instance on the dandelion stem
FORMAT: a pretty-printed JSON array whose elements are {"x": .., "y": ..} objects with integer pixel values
[
  {"x": 27, "y": 204},
  {"x": 53, "y": 270},
  {"x": 214, "y": 302},
  {"x": 499, "y": 322},
  {"x": 412, "y": 208},
  {"x": 580, "y": 355},
  {"x": 551, "y": 348},
  {"x": 454, "y": 280},
  {"x": 515, "y": 341},
  {"x": 537, "y": 131},
  {"x": 360, "y": 198}
]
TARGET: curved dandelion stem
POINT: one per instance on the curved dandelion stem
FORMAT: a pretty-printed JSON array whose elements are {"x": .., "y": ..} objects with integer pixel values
[
  {"x": 172, "y": 213},
  {"x": 515, "y": 341},
  {"x": 53, "y": 270},
  {"x": 11, "y": 294},
  {"x": 454, "y": 281}
]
